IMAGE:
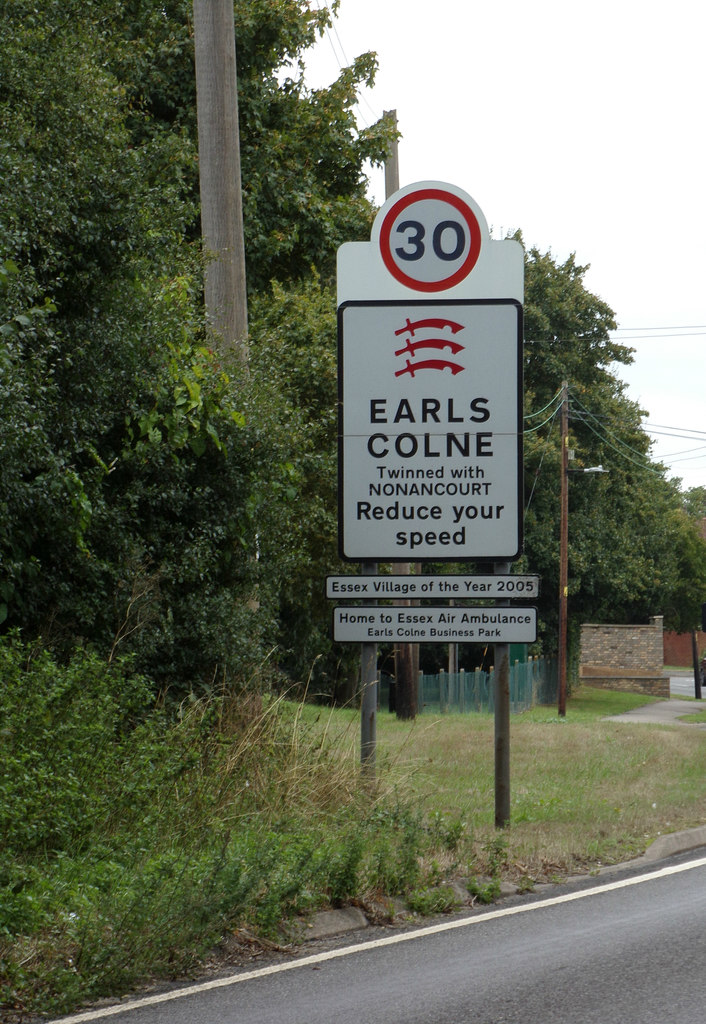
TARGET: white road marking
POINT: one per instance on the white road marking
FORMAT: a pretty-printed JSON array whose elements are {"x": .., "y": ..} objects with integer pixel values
[{"x": 361, "y": 947}]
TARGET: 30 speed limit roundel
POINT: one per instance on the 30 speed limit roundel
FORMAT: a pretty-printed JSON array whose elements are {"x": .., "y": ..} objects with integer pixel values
[{"x": 430, "y": 240}]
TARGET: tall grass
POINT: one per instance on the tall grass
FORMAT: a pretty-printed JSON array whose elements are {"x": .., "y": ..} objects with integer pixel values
[{"x": 584, "y": 791}]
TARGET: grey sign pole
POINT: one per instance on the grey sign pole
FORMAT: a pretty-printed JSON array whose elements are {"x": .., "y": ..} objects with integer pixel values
[{"x": 368, "y": 696}]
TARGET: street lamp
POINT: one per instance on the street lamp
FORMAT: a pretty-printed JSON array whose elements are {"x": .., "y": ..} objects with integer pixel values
[{"x": 564, "y": 547}]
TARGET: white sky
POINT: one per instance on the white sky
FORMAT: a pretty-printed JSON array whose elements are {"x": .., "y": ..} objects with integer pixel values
[{"x": 582, "y": 125}]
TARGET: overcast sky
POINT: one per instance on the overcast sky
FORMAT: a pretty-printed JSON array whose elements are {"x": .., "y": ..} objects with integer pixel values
[{"x": 582, "y": 125}]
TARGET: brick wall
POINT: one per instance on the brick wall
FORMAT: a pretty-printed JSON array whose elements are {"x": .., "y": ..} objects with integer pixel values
[
  {"x": 626, "y": 658},
  {"x": 677, "y": 648}
]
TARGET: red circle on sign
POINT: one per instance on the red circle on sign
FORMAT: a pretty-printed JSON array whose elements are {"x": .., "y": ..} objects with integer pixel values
[{"x": 473, "y": 228}]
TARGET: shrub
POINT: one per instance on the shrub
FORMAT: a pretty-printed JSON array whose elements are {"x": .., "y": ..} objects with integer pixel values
[{"x": 64, "y": 728}]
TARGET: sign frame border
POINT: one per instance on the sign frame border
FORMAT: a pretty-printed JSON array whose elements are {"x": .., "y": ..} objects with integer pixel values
[
  {"x": 434, "y": 609},
  {"x": 354, "y": 578},
  {"x": 435, "y": 301}
]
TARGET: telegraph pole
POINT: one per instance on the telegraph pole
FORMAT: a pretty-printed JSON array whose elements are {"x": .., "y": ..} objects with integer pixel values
[
  {"x": 219, "y": 174},
  {"x": 563, "y": 550},
  {"x": 392, "y": 163},
  {"x": 406, "y": 659},
  {"x": 369, "y": 652}
]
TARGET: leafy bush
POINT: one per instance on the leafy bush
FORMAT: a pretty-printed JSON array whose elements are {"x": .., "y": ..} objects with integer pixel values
[
  {"x": 64, "y": 730},
  {"x": 433, "y": 901}
]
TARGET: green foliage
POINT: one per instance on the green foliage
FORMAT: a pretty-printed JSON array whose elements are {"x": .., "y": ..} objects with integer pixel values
[
  {"x": 302, "y": 154},
  {"x": 695, "y": 502},
  {"x": 394, "y": 866},
  {"x": 134, "y": 839},
  {"x": 143, "y": 501},
  {"x": 446, "y": 832},
  {"x": 294, "y": 343},
  {"x": 60, "y": 726},
  {"x": 440, "y": 900},
  {"x": 566, "y": 329},
  {"x": 641, "y": 559},
  {"x": 146, "y": 488},
  {"x": 487, "y": 888},
  {"x": 79, "y": 194}
]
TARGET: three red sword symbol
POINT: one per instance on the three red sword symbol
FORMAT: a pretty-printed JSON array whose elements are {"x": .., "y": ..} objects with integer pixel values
[{"x": 412, "y": 347}]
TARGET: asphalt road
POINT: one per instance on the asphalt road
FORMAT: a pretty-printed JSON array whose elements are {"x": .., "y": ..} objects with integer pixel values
[{"x": 630, "y": 949}]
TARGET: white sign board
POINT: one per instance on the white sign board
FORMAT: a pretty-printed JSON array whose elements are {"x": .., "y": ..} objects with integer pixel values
[
  {"x": 435, "y": 625},
  {"x": 430, "y": 438},
  {"x": 430, "y": 384},
  {"x": 451, "y": 587}
]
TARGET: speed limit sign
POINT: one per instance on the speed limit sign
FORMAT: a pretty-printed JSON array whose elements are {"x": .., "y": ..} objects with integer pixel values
[
  {"x": 430, "y": 239},
  {"x": 430, "y": 384}
]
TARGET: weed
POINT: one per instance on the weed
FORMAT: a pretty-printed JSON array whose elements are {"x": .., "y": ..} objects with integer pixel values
[
  {"x": 427, "y": 901},
  {"x": 487, "y": 889},
  {"x": 446, "y": 831}
]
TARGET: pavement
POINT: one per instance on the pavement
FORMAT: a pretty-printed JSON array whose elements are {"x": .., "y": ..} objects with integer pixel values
[
  {"x": 669, "y": 712},
  {"x": 663, "y": 712}
]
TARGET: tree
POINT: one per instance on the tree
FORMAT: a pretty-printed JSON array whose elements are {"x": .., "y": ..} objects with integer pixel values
[
  {"x": 302, "y": 155},
  {"x": 632, "y": 552},
  {"x": 133, "y": 461},
  {"x": 293, "y": 331},
  {"x": 694, "y": 500},
  {"x": 147, "y": 483}
]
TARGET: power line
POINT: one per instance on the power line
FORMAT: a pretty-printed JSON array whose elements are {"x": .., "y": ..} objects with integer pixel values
[
  {"x": 669, "y": 459},
  {"x": 344, "y": 62},
  {"x": 665, "y": 430},
  {"x": 330, "y": 37},
  {"x": 597, "y": 426},
  {"x": 649, "y": 337},
  {"x": 687, "y": 458},
  {"x": 544, "y": 452},
  {"x": 628, "y": 334},
  {"x": 668, "y": 327},
  {"x": 611, "y": 436},
  {"x": 556, "y": 398},
  {"x": 658, "y": 428}
]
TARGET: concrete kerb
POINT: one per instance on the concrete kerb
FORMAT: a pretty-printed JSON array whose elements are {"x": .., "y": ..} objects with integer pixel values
[{"x": 672, "y": 843}]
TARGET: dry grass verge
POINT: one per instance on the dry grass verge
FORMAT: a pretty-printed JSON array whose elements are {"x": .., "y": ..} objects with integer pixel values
[{"x": 584, "y": 791}]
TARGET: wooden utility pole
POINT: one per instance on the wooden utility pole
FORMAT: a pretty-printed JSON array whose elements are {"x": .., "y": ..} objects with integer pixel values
[
  {"x": 392, "y": 163},
  {"x": 563, "y": 550},
  {"x": 219, "y": 174},
  {"x": 406, "y": 655}
]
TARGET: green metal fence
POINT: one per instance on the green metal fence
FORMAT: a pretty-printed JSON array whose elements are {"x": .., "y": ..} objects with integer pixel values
[{"x": 531, "y": 682}]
